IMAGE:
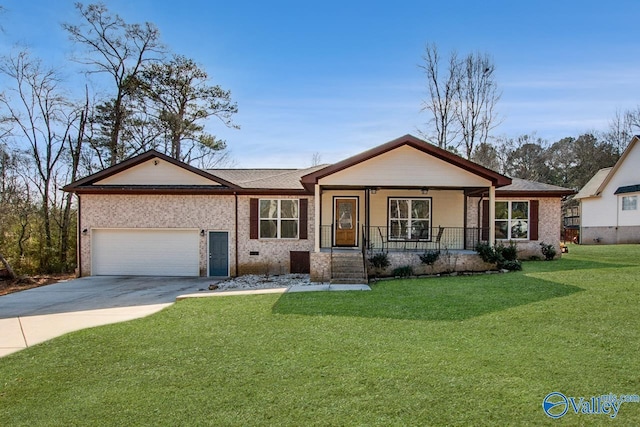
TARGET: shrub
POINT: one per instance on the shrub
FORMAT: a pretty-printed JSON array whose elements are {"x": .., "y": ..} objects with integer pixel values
[
  {"x": 487, "y": 253},
  {"x": 500, "y": 255},
  {"x": 509, "y": 253},
  {"x": 511, "y": 265},
  {"x": 430, "y": 257},
  {"x": 404, "y": 271},
  {"x": 548, "y": 250},
  {"x": 380, "y": 261}
]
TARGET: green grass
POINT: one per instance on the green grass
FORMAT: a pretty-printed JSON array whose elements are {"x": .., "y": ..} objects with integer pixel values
[{"x": 479, "y": 350}]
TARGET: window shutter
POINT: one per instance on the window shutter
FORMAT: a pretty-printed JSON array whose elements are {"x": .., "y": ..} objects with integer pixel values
[
  {"x": 485, "y": 220},
  {"x": 253, "y": 218},
  {"x": 304, "y": 217},
  {"x": 533, "y": 220}
]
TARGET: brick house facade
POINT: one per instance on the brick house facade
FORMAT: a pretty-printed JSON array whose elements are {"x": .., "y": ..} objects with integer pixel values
[{"x": 153, "y": 215}]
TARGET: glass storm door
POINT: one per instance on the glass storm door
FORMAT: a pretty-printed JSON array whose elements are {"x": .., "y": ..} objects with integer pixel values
[{"x": 346, "y": 222}]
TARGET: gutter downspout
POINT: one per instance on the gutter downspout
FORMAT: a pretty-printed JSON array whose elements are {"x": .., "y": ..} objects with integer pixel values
[
  {"x": 237, "y": 269},
  {"x": 78, "y": 238}
]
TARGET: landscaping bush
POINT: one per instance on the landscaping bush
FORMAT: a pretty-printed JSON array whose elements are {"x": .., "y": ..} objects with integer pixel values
[
  {"x": 487, "y": 253},
  {"x": 548, "y": 250},
  {"x": 430, "y": 257},
  {"x": 380, "y": 261},
  {"x": 511, "y": 265},
  {"x": 509, "y": 253},
  {"x": 404, "y": 271},
  {"x": 503, "y": 256}
]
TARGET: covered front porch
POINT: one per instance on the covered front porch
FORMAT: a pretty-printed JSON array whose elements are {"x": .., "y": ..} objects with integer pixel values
[
  {"x": 399, "y": 220},
  {"x": 404, "y": 196}
]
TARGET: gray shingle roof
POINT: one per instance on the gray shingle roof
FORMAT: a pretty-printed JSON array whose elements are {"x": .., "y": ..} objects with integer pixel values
[
  {"x": 277, "y": 179},
  {"x": 518, "y": 184}
]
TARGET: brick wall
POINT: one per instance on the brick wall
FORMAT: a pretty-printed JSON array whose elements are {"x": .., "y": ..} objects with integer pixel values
[
  {"x": 209, "y": 213},
  {"x": 549, "y": 225},
  {"x": 205, "y": 212},
  {"x": 272, "y": 254}
]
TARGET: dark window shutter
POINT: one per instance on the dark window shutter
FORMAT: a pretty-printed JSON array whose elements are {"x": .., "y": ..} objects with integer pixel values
[
  {"x": 253, "y": 218},
  {"x": 485, "y": 220},
  {"x": 533, "y": 220},
  {"x": 304, "y": 217}
]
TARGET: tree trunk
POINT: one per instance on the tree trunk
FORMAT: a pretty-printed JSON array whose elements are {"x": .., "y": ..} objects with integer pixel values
[
  {"x": 75, "y": 163},
  {"x": 6, "y": 264}
]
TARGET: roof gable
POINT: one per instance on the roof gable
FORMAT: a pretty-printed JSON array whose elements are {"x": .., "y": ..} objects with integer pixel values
[
  {"x": 374, "y": 159},
  {"x": 150, "y": 169},
  {"x": 626, "y": 164},
  {"x": 156, "y": 172}
]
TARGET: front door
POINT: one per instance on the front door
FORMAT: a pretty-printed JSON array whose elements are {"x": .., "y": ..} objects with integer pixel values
[
  {"x": 346, "y": 222},
  {"x": 218, "y": 253}
]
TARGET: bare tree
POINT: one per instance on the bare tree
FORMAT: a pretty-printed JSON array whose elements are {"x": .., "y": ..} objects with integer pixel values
[
  {"x": 40, "y": 116},
  {"x": 316, "y": 159},
  {"x": 462, "y": 99},
  {"x": 120, "y": 50},
  {"x": 442, "y": 85},
  {"x": 75, "y": 147},
  {"x": 621, "y": 129},
  {"x": 477, "y": 96}
]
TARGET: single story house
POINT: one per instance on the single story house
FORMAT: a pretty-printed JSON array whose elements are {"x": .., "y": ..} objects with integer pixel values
[
  {"x": 609, "y": 201},
  {"x": 154, "y": 215}
]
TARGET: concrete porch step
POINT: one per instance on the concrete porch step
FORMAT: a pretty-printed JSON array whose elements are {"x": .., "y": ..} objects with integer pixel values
[
  {"x": 348, "y": 275},
  {"x": 348, "y": 269},
  {"x": 342, "y": 281}
]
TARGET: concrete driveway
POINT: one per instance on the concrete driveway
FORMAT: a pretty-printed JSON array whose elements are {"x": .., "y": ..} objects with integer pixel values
[{"x": 35, "y": 315}]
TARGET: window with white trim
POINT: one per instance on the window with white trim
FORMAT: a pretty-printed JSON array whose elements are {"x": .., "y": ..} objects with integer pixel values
[
  {"x": 279, "y": 218},
  {"x": 512, "y": 220},
  {"x": 629, "y": 203},
  {"x": 410, "y": 218}
]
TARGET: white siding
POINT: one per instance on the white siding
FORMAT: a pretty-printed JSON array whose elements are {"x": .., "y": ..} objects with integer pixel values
[
  {"x": 156, "y": 172},
  {"x": 405, "y": 166},
  {"x": 629, "y": 217},
  {"x": 606, "y": 210},
  {"x": 145, "y": 252},
  {"x": 599, "y": 211}
]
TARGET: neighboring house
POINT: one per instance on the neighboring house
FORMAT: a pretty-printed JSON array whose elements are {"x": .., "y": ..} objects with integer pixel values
[
  {"x": 609, "y": 211},
  {"x": 153, "y": 215}
]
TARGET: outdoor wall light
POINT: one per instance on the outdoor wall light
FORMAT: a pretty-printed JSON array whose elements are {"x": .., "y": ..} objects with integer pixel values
[
  {"x": 202, "y": 233},
  {"x": 85, "y": 232},
  {"x": 424, "y": 190},
  {"x": 374, "y": 190}
]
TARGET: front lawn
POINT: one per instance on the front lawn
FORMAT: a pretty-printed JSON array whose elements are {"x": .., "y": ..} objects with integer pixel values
[{"x": 479, "y": 350}]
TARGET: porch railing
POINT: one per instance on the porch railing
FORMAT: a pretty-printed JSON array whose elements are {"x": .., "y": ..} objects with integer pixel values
[{"x": 378, "y": 238}]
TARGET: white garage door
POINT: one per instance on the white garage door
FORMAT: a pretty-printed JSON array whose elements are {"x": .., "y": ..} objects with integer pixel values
[{"x": 145, "y": 252}]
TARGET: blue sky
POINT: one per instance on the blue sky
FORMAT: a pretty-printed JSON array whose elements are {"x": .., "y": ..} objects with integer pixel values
[{"x": 338, "y": 77}]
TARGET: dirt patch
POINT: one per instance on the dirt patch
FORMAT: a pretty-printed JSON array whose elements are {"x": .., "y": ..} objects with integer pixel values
[{"x": 8, "y": 286}]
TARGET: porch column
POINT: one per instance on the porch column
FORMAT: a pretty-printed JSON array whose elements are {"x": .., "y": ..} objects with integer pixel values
[
  {"x": 492, "y": 215},
  {"x": 316, "y": 223}
]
